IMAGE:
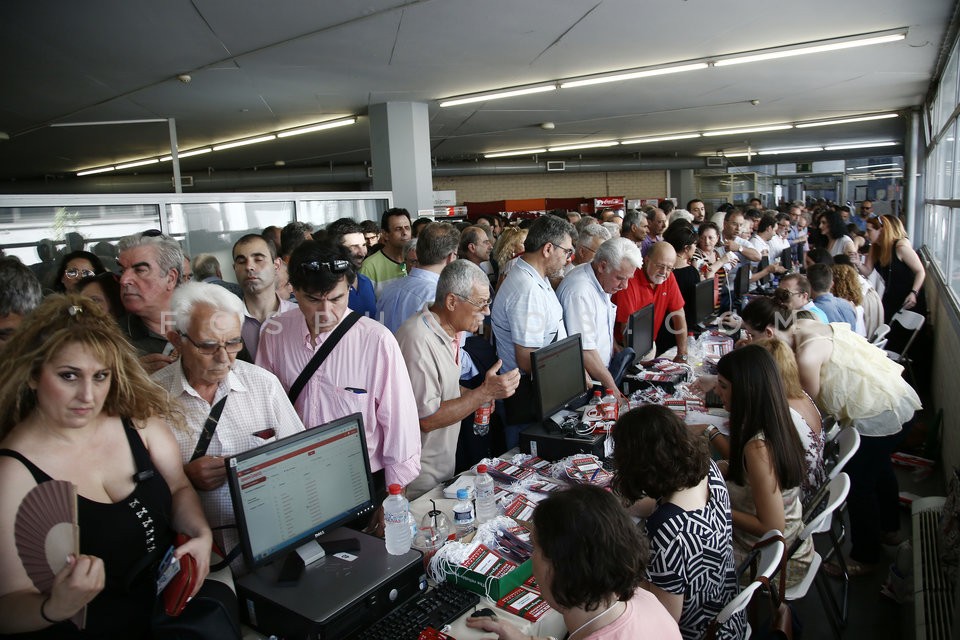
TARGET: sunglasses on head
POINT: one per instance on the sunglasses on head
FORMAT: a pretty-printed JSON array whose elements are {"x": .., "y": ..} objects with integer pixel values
[{"x": 333, "y": 266}]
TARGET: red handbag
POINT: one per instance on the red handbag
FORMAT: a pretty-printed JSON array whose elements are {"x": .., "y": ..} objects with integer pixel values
[{"x": 177, "y": 593}]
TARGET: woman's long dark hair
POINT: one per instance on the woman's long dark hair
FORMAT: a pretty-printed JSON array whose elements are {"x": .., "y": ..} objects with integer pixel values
[{"x": 758, "y": 403}]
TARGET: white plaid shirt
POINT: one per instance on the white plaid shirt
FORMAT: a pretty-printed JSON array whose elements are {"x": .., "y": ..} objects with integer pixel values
[{"x": 256, "y": 402}]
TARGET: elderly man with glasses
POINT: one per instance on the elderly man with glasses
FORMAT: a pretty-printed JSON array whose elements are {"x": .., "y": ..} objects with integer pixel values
[
  {"x": 364, "y": 372},
  {"x": 229, "y": 405},
  {"x": 527, "y": 314},
  {"x": 432, "y": 342},
  {"x": 654, "y": 282}
]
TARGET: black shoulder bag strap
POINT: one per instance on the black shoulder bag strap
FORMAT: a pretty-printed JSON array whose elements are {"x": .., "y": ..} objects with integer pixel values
[
  {"x": 320, "y": 356},
  {"x": 208, "y": 428}
]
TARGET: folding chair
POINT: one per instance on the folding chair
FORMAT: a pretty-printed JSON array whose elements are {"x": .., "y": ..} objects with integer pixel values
[
  {"x": 911, "y": 321},
  {"x": 768, "y": 554},
  {"x": 836, "y": 494},
  {"x": 844, "y": 445},
  {"x": 879, "y": 338}
]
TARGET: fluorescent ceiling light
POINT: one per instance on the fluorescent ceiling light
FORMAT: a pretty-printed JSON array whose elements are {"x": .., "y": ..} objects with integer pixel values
[
  {"x": 861, "y": 145},
  {"x": 823, "y": 123},
  {"x": 757, "y": 129},
  {"x": 240, "y": 143},
  {"x": 138, "y": 163},
  {"x": 90, "y": 172},
  {"x": 678, "y": 136},
  {"x": 187, "y": 154},
  {"x": 499, "y": 94},
  {"x": 811, "y": 48},
  {"x": 875, "y": 166},
  {"x": 738, "y": 154},
  {"x": 316, "y": 127},
  {"x": 632, "y": 75},
  {"x": 507, "y": 154},
  {"x": 588, "y": 145},
  {"x": 774, "y": 152}
]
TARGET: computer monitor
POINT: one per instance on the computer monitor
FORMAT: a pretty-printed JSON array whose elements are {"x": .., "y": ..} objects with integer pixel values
[
  {"x": 741, "y": 283},
  {"x": 292, "y": 491},
  {"x": 640, "y": 330},
  {"x": 558, "y": 375},
  {"x": 703, "y": 301}
]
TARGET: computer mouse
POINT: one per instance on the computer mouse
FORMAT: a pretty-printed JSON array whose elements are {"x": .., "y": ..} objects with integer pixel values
[{"x": 479, "y": 613}]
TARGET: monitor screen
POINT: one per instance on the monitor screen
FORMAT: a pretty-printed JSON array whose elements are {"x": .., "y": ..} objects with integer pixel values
[
  {"x": 558, "y": 375},
  {"x": 742, "y": 281},
  {"x": 640, "y": 328},
  {"x": 288, "y": 492},
  {"x": 703, "y": 300}
]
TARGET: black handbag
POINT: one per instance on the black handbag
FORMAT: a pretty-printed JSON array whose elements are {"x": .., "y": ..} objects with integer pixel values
[{"x": 212, "y": 614}]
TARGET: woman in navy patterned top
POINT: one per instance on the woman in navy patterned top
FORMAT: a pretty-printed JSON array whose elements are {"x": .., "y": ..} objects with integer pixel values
[{"x": 666, "y": 470}]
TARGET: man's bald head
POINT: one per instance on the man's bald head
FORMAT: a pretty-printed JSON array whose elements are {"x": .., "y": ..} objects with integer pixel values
[{"x": 659, "y": 263}]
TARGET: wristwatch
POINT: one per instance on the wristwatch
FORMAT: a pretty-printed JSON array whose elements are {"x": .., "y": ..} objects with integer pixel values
[{"x": 682, "y": 356}]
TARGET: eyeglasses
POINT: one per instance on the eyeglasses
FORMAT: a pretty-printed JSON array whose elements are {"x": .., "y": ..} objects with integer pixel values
[
  {"x": 483, "y": 304},
  {"x": 568, "y": 252},
  {"x": 333, "y": 266},
  {"x": 795, "y": 293},
  {"x": 73, "y": 273},
  {"x": 878, "y": 219},
  {"x": 663, "y": 267},
  {"x": 586, "y": 248},
  {"x": 210, "y": 348}
]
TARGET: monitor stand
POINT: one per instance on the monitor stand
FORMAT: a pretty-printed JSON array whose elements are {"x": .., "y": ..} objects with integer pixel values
[{"x": 309, "y": 552}]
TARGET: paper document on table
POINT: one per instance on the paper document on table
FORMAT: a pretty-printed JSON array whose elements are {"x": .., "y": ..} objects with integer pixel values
[{"x": 721, "y": 422}]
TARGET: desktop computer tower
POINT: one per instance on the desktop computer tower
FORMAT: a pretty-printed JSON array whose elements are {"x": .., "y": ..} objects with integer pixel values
[
  {"x": 551, "y": 444},
  {"x": 336, "y": 596}
]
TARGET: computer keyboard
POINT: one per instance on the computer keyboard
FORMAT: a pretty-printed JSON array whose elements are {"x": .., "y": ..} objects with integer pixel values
[{"x": 434, "y": 608}]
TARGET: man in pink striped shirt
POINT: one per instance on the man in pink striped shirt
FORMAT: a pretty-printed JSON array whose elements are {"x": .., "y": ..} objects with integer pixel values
[{"x": 364, "y": 373}]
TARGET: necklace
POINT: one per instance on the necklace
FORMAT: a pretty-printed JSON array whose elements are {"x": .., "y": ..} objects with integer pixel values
[{"x": 594, "y": 618}]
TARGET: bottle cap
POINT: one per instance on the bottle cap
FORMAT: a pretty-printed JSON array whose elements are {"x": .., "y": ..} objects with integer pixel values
[
  {"x": 596, "y": 393},
  {"x": 481, "y": 468},
  {"x": 610, "y": 392},
  {"x": 462, "y": 494},
  {"x": 395, "y": 489}
]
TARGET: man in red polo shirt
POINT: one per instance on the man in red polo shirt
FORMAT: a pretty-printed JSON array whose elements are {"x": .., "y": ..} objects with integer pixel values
[{"x": 654, "y": 282}]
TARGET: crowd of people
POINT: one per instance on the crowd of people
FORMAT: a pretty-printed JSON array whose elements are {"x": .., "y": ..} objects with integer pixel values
[{"x": 112, "y": 375}]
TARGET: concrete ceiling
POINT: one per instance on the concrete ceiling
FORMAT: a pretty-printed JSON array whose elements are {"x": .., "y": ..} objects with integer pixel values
[{"x": 260, "y": 66}]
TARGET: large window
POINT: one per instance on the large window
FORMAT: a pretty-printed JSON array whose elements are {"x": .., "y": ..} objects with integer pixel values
[{"x": 941, "y": 213}]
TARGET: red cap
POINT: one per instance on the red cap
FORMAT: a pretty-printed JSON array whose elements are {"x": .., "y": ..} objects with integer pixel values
[
  {"x": 395, "y": 489},
  {"x": 481, "y": 468}
]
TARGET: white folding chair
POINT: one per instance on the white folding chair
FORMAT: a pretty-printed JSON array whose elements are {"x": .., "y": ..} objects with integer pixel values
[
  {"x": 911, "y": 321},
  {"x": 768, "y": 555},
  {"x": 830, "y": 428},
  {"x": 837, "y": 491},
  {"x": 847, "y": 441},
  {"x": 879, "y": 338}
]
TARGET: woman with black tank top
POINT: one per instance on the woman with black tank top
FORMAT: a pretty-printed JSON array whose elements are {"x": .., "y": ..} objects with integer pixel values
[
  {"x": 898, "y": 264},
  {"x": 75, "y": 405}
]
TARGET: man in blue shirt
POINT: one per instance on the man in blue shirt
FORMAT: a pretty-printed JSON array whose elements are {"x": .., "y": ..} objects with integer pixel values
[
  {"x": 402, "y": 297},
  {"x": 837, "y": 309},
  {"x": 349, "y": 234}
]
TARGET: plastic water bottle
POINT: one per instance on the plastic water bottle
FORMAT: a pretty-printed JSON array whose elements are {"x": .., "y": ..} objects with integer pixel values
[
  {"x": 396, "y": 517},
  {"x": 481, "y": 419},
  {"x": 609, "y": 405},
  {"x": 463, "y": 515},
  {"x": 483, "y": 490},
  {"x": 595, "y": 401}
]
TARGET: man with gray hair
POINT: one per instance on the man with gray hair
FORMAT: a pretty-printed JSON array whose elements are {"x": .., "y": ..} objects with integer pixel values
[
  {"x": 206, "y": 268},
  {"x": 587, "y": 309},
  {"x": 20, "y": 293},
  {"x": 244, "y": 403},
  {"x": 635, "y": 226},
  {"x": 150, "y": 268},
  {"x": 527, "y": 314},
  {"x": 431, "y": 342},
  {"x": 436, "y": 247},
  {"x": 588, "y": 241}
]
